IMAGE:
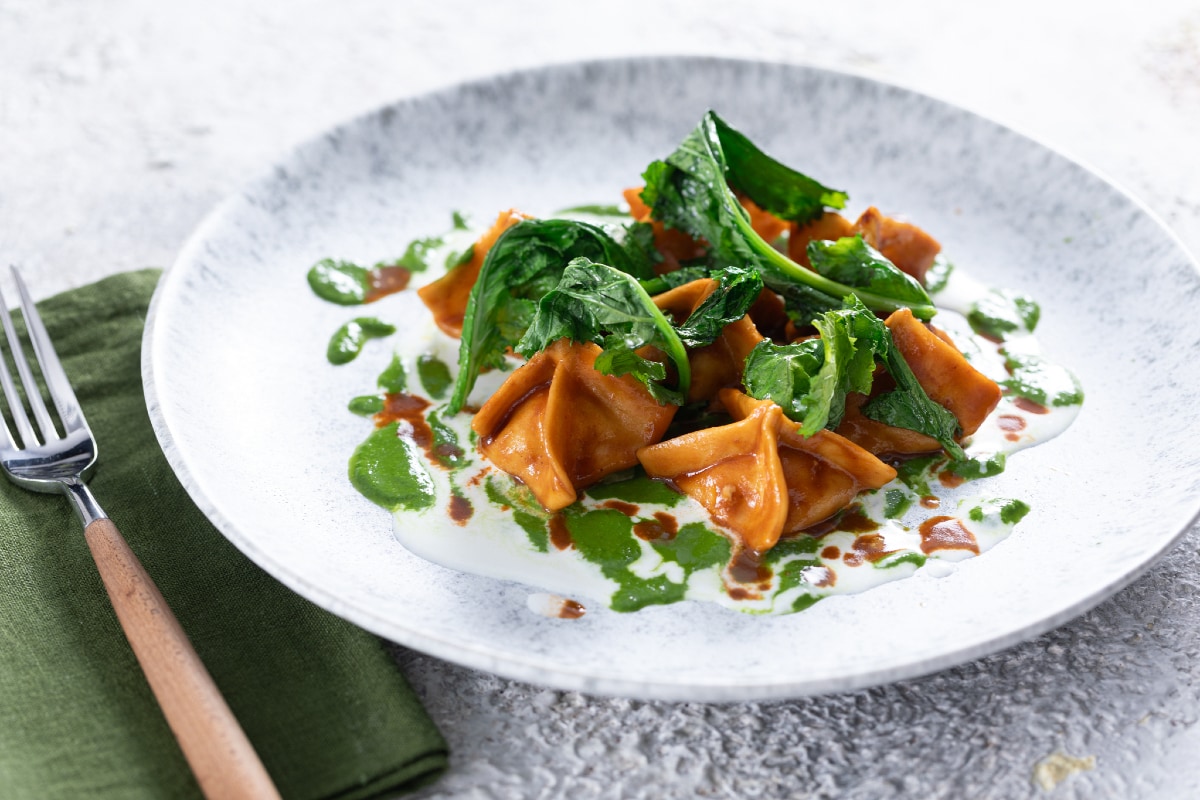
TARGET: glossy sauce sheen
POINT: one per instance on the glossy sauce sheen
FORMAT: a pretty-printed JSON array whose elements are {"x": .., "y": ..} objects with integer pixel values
[
  {"x": 628, "y": 509},
  {"x": 747, "y": 567},
  {"x": 870, "y": 547},
  {"x": 560, "y": 535},
  {"x": 409, "y": 411},
  {"x": 410, "y": 408},
  {"x": 460, "y": 509},
  {"x": 663, "y": 527},
  {"x": 386, "y": 280},
  {"x": 1026, "y": 404},
  {"x": 950, "y": 480},
  {"x": 946, "y": 533},
  {"x": 571, "y": 609}
]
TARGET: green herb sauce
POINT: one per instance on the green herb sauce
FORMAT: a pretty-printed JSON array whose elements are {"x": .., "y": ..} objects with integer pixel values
[
  {"x": 445, "y": 442},
  {"x": 366, "y": 405},
  {"x": 1001, "y": 312},
  {"x": 605, "y": 537},
  {"x": 387, "y": 470},
  {"x": 636, "y": 489},
  {"x": 393, "y": 379},
  {"x": 1008, "y": 512},
  {"x": 915, "y": 473},
  {"x": 340, "y": 282},
  {"x": 979, "y": 467},
  {"x": 1036, "y": 379},
  {"x": 896, "y": 503},
  {"x": 416, "y": 255},
  {"x": 347, "y": 342},
  {"x": 434, "y": 375}
]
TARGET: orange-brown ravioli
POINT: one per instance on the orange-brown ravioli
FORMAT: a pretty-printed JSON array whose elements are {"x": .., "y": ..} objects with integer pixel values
[
  {"x": 945, "y": 375},
  {"x": 559, "y": 425},
  {"x": 911, "y": 249},
  {"x": 829, "y": 226},
  {"x": 719, "y": 364},
  {"x": 447, "y": 296},
  {"x": 761, "y": 478}
]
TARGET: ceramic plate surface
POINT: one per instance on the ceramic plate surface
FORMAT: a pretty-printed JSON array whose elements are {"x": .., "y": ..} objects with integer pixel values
[{"x": 254, "y": 420}]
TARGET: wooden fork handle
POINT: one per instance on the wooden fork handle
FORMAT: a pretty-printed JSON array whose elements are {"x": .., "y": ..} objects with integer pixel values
[{"x": 221, "y": 757}]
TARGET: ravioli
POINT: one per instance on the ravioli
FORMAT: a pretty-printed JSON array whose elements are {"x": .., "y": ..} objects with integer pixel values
[
  {"x": 719, "y": 364},
  {"x": 559, "y": 425},
  {"x": 945, "y": 375},
  {"x": 446, "y": 298},
  {"x": 911, "y": 249},
  {"x": 759, "y": 476}
]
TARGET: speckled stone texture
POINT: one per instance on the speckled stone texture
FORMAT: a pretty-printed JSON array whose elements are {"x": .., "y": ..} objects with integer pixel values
[{"x": 122, "y": 123}]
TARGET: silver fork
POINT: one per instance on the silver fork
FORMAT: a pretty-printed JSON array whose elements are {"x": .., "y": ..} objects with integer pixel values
[{"x": 220, "y": 755}]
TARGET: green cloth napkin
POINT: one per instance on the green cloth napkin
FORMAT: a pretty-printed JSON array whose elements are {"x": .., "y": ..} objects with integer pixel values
[{"x": 326, "y": 708}]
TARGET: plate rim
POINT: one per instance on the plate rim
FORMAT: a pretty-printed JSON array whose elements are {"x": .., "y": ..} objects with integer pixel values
[{"x": 567, "y": 677}]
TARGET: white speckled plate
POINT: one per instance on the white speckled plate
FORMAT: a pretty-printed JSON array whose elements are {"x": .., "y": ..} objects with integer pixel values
[{"x": 254, "y": 420}]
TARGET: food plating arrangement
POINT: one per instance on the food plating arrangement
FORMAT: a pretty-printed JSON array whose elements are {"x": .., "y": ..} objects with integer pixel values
[{"x": 722, "y": 390}]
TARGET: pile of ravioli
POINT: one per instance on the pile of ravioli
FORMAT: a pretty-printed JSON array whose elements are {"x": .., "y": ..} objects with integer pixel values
[{"x": 558, "y": 425}]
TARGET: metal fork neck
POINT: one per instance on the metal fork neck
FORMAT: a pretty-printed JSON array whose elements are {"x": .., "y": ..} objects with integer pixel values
[{"x": 84, "y": 503}]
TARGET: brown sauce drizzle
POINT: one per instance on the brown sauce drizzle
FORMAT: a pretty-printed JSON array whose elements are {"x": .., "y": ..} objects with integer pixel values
[
  {"x": 852, "y": 520},
  {"x": 385, "y": 281},
  {"x": 868, "y": 547},
  {"x": 747, "y": 567},
  {"x": 1010, "y": 422},
  {"x": 950, "y": 480},
  {"x": 820, "y": 577},
  {"x": 1025, "y": 404},
  {"x": 930, "y": 501},
  {"x": 628, "y": 509},
  {"x": 946, "y": 533},
  {"x": 560, "y": 536},
  {"x": 460, "y": 509},
  {"x": 831, "y": 552},
  {"x": 409, "y": 410},
  {"x": 855, "y": 521},
  {"x": 447, "y": 452},
  {"x": 662, "y": 528},
  {"x": 570, "y": 609},
  {"x": 478, "y": 477},
  {"x": 749, "y": 576}
]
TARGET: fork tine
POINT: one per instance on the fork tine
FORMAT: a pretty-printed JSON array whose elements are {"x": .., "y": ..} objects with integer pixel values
[
  {"x": 10, "y": 392},
  {"x": 28, "y": 436},
  {"x": 57, "y": 382}
]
